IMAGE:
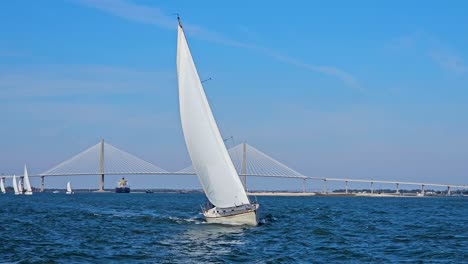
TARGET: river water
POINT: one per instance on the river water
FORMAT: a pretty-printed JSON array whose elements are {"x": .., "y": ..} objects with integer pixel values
[{"x": 168, "y": 228}]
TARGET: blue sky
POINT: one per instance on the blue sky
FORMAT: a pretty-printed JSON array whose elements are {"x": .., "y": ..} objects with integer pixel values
[{"x": 363, "y": 89}]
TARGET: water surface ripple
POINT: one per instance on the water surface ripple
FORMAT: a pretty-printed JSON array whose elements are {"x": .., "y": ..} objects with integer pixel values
[{"x": 168, "y": 228}]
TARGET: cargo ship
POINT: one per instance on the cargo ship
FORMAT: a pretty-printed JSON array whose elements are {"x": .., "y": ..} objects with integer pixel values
[{"x": 122, "y": 186}]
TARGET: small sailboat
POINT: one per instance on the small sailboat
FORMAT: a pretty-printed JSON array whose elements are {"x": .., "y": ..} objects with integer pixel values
[
  {"x": 69, "y": 188},
  {"x": 228, "y": 201},
  {"x": 2, "y": 185},
  {"x": 15, "y": 185},
  {"x": 27, "y": 183},
  {"x": 20, "y": 186}
]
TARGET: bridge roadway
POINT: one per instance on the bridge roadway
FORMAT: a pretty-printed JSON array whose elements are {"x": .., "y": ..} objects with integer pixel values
[{"x": 304, "y": 178}]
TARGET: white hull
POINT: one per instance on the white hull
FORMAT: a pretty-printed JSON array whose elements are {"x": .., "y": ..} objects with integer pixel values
[
  {"x": 69, "y": 193},
  {"x": 238, "y": 217},
  {"x": 28, "y": 193}
]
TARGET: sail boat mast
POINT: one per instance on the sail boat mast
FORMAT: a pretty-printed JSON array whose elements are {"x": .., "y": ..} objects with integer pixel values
[{"x": 178, "y": 20}]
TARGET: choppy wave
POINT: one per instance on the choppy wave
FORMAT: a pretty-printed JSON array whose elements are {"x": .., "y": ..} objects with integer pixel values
[{"x": 168, "y": 228}]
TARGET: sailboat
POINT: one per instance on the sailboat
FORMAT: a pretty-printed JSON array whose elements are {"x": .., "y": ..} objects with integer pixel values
[
  {"x": 228, "y": 201},
  {"x": 27, "y": 183},
  {"x": 15, "y": 185},
  {"x": 2, "y": 185},
  {"x": 69, "y": 189},
  {"x": 20, "y": 186}
]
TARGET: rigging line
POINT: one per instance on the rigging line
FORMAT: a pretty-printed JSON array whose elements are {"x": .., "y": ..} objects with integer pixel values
[{"x": 206, "y": 80}]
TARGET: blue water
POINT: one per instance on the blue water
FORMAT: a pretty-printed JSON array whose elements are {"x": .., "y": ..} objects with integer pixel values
[{"x": 168, "y": 228}]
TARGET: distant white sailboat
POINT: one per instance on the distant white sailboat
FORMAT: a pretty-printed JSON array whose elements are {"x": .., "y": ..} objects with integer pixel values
[
  {"x": 27, "y": 183},
  {"x": 229, "y": 202},
  {"x": 20, "y": 186},
  {"x": 2, "y": 185},
  {"x": 15, "y": 185},
  {"x": 69, "y": 188}
]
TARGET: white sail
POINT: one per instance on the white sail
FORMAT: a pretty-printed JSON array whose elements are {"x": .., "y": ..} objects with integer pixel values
[
  {"x": 27, "y": 183},
  {"x": 15, "y": 185},
  {"x": 20, "y": 186},
  {"x": 69, "y": 189},
  {"x": 2, "y": 185},
  {"x": 205, "y": 146}
]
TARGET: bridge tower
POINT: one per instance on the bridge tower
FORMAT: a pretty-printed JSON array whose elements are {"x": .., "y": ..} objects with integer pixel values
[
  {"x": 42, "y": 184},
  {"x": 101, "y": 167},
  {"x": 243, "y": 166}
]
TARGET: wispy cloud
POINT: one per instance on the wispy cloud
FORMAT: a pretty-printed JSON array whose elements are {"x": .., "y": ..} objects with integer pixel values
[
  {"x": 346, "y": 77},
  {"x": 154, "y": 16},
  {"x": 433, "y": 47},
  {"x": 72, "y": 80},
  {"x": 449, "y": 61},
  {"x": 131, "y": 11}
]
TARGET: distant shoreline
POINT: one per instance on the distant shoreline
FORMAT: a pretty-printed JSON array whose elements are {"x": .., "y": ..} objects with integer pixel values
[
  {"x": 266, "y": 193},
  {"x": 406, "y": 195}
]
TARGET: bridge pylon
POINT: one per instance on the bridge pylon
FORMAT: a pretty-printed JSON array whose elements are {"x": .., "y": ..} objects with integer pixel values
[{"x": 101, "y": 167}]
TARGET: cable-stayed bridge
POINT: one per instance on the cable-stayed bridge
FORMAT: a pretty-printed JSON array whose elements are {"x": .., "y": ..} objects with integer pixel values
[{"x": 104, "y": 159}]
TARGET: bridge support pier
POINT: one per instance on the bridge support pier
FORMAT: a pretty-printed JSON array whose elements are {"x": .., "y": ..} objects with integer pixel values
[
  {"x": 397, "y": 188},
  {"x": 448, "y": 191},
  {"x": 346, "y": 187},
  {"x": 422, "y": 190},
  {"x": 42, "y": 184},
  {"x": 101, "y": 183},
  {"x": 304, "y": 185},
  {"x": 325, "y": 186},
  {"x": 372, "y": 187}
]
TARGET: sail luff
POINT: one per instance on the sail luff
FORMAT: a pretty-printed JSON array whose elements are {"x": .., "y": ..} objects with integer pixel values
[{"x": 206, "y": 148}]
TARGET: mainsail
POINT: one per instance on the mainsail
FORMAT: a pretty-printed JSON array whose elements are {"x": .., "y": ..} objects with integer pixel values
[
  {"x": 20, "y": 186},
  {"x": 69, "y": 189},
  {"x": 2, "y": 185},
  {"x": 15, "y": 185},
  {"x": 27, "y": 183},
  {"x": 205, "y": 146}
]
